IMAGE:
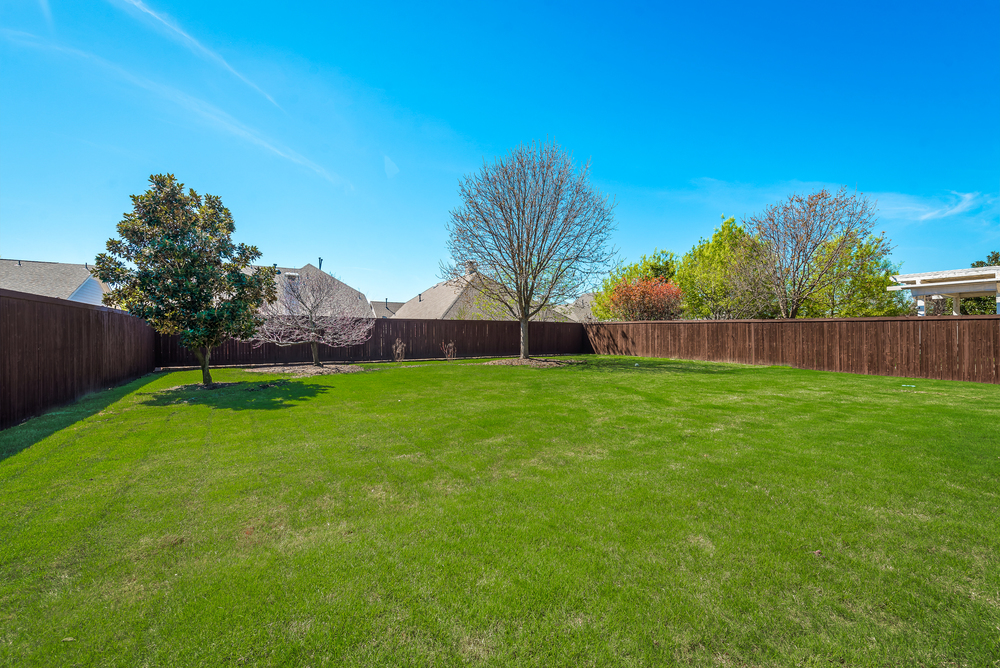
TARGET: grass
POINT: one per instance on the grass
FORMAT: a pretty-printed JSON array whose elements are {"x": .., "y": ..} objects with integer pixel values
[{"x": 670, "y": 513}]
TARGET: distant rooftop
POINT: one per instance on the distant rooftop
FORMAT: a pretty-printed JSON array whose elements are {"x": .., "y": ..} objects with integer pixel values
[{"x": 52, "y": 279}]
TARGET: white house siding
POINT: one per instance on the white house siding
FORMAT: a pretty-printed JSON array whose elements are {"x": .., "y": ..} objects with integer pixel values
[{"x": 89, "y": 292}]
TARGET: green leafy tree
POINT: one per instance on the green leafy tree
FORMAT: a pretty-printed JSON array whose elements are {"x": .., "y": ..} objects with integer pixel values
[
  {"x": 982, "y": 305},
  {"x": 661, "y": 264},
  {"x": 858, "y": 288},
  {"x": 799, "y": 247},
  {"x": 176, "y": 266},
  {"x": 704, "y": 277}
]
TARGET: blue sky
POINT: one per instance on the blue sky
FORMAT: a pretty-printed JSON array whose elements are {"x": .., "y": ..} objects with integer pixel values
[{"x": 341, "y": 130}]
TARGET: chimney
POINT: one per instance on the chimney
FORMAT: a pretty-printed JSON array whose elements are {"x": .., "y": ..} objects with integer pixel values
[
  {"x": 470, "y": 267},
  {"x": 321, "y": 264},
  {"x": 420, "y": 297}
]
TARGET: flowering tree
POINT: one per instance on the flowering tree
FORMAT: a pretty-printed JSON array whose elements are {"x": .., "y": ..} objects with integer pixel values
[
  {"x": 645, "y": 299},
  {"x": 314, "y": 308}
]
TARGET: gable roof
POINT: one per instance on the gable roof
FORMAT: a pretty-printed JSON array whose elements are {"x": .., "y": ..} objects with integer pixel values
[
  {"x": 285, "y": 273},
  {"x": 580, "y": 310},
  {"x": 52, "y": 279},
  {"x": 434, "y": 303},
  {"x": 458, "y": 299},
  {"x": 385, "y": 309}
]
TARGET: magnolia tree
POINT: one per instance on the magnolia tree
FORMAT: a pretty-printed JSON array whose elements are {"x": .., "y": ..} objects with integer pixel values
[
  {"x": 531, "y": 232},
  {"x": 313, "y": 307},
  {"x": 645, "y": 299},
  {"x": 175, "y": 265}
]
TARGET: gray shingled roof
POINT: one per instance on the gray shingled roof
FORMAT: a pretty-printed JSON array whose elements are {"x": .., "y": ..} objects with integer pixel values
[
  {"x": 49, "y": 279},
  {"x": 580, "y": 310},
  {"x": 310, "y": 270},
  {"x": 457, "y": 300},
  {"x": 385, "y": 309},
  {"x": 433, "y": 303}
]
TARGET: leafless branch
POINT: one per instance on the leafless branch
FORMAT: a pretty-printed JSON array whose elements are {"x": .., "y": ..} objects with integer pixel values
[
  {"x": 313, "y": 307},
  {"x": 796, "y": 248},
  {"x": 531, "y": 232}
]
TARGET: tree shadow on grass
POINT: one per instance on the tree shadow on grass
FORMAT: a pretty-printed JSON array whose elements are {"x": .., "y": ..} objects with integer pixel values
[
  {"x": 21, "y": 437},
  {"x": 246, "y": 395},
  {"x": 624, "y": 365}
]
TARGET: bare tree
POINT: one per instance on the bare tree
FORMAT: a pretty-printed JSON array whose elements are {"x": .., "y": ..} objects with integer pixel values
[
  {"x": 314, "y": 308},
  {"x": 531, "y": 232},
  {"x": 797, "y": 248}
]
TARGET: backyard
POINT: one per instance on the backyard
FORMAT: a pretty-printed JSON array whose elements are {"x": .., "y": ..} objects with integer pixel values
[{"x": 616, "y": 511}]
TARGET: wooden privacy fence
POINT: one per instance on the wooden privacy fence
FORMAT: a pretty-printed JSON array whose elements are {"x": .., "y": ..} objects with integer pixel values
[
  {"x": 423, "y": 339},
  {"x": 53, "y": 351},
  {"x": 947, "y": 348}
]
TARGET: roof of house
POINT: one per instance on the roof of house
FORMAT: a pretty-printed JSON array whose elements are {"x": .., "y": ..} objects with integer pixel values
[
  {"x": 580, "y": 310},
  {"x": 284, "y": 273},
  {"x": 385, "y": 309},
  {"x": 972, "y": 282},
  {"x": 458, "y": 299},
  {"x": 435, "y": 303},
  {"x": 50, "y": 279}
]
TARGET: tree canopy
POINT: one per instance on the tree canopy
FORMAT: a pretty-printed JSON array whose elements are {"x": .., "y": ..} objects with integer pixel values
[
  {"x": 858, "y": 288},
  {"x": 645, "y": 299},
  {"x": 705, "y": 277},
  {"x": 531, "y": 232},
  {"x": 661, "y": 264},
  {"x": 174, "y": 264},
  {"x": 800, "y": 247}
]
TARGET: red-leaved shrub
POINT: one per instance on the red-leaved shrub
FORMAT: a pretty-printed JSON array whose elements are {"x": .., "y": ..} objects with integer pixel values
[{"x": 646, "y": 299}]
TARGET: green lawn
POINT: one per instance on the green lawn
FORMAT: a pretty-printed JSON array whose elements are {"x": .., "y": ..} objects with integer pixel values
[{"x": 599, "y": 514}]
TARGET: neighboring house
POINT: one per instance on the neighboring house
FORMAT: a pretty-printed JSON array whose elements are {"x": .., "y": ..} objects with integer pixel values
[
  {"x": 386, "y": 309},
  {"x": 52, "y": 279},
  {"x": 288, "y": 274},
  {"x": 958, "y": 284},
  {"x": 459, "y": 300},
  {"x": 582, "y": 310}
]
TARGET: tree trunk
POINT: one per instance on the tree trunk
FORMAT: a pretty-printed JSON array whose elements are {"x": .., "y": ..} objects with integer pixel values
[
  {"x": 203, "y": 355},
  {"x": 524, "y": 338},
  {"x": 315, "y": 351}
]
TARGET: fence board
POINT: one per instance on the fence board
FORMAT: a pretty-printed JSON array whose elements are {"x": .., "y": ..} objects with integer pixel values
[
  {"x": 53, "y": 351},
  {"x": 947, "y": 348}
]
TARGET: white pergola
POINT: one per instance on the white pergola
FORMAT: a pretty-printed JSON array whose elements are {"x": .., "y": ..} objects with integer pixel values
[{"x": 955, "y": 283}]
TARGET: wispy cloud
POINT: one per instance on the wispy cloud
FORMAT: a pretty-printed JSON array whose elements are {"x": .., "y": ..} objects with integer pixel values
[
  {"x": 46, "y": 11},
  {"x": 390, "y": 167},
  {"x": 919, "y": 209},
  {"x": 744, "y": 198},
  {"x": 187, "y": 40},
  {"x": 204, "y": 110}
]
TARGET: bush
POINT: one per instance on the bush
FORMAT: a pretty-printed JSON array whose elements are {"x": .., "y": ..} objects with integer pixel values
[{"x": 645, "y": 299}]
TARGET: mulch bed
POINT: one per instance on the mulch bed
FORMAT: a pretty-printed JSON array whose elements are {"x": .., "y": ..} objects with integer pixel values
[
  {"x": 535, "y": 362},
  {"x": 303, "y": 370}
]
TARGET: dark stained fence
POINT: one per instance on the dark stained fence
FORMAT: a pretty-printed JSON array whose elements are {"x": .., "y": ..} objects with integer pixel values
[
  {"x": 53, "y": 351},
  {"x": 423, "y": 339},
  {"x": 947, "y": 348}
]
